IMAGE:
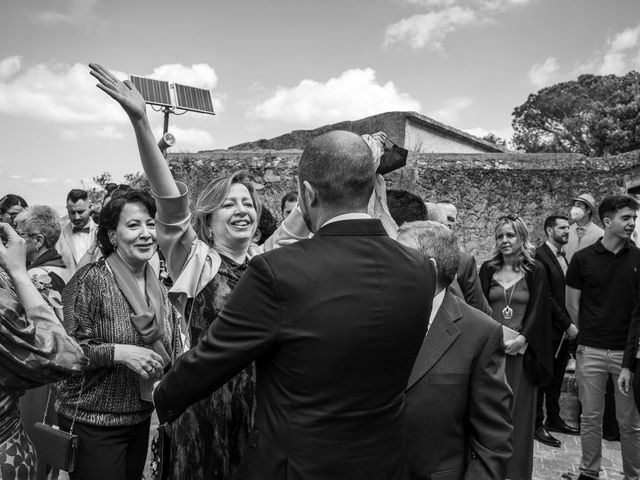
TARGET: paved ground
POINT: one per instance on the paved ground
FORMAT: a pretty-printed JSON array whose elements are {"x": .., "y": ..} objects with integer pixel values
[{"x": 563, "y": 462}]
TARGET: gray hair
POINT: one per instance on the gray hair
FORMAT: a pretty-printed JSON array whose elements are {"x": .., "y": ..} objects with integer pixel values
[
  {"x": 433, "y": 240},
  {"x": 43, "y": 220},
  {"x": 436, "y": 213}
]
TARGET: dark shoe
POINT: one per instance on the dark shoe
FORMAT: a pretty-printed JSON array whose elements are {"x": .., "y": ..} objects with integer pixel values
[
  {"x": 561, "y": 427},
  {"x": 545, "y": 437},
  {"x": 582, "y": 476}
]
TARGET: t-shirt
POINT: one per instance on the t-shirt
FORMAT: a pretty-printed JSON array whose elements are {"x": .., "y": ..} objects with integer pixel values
[{"x": 609, "y": 285}]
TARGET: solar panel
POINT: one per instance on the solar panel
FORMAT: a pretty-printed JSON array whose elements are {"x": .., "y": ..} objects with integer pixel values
[
  {"x": 153, "y": 91},
  {"x": 194, "y": 99}
]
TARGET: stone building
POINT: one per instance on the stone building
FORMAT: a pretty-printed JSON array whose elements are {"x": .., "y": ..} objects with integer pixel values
[
  {"x": 410, "y": 130},
  {"x": 483, "y": 186}
]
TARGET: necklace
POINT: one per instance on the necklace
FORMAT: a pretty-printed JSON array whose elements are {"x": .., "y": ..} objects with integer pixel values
[{"x": 507, "y": 311}]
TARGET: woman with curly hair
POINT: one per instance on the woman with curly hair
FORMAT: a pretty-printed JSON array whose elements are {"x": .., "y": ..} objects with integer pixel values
[
  {"x": 207, "y": 249},
  {"x": 516, "y": 287}
]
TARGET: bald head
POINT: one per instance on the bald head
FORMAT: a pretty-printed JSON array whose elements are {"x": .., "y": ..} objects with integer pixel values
[{"x": 339, "y": 165}]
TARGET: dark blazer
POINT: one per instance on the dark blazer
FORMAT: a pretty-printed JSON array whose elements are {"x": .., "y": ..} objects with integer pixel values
[
  {"x": 469, "y": 283},
  {"x": 334, "y": 324},
  {"x": 458, "y": 400},
  {"x": 538, "y": 358},
  {"x": 557, "y": 288}
]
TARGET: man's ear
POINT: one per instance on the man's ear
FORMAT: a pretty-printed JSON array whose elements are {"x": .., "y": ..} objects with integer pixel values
[
  {"x": 606, "y": 222},
  {"x": 435, "y": 264},
  {"x": 310, "y": 194}
]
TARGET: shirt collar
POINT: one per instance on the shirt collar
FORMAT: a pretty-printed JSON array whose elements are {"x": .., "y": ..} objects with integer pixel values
[
  {"x": 347, "y": 216},
  {"x": 437, "y": 303},
  {"x": 601, "y": 248},
  {"x": 553, "y": 247}
]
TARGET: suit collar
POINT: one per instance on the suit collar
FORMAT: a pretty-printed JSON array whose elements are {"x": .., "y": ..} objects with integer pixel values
[
  {"x": 553, "y": 258},
  {"x": 440, "y": 337},
  {"x": 371, "y": 226}
]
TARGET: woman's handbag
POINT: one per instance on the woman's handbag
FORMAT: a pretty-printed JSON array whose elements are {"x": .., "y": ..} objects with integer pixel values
[{"x": 54, "y": 446}]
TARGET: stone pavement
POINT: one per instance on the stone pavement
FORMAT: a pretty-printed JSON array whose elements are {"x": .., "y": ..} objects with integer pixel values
[{"x": 564, "y": 462}]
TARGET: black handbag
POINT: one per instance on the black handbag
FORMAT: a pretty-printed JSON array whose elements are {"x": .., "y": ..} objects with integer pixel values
[
  {"x": 393, "y": 158},
  {"x": 54, "y": 446}
]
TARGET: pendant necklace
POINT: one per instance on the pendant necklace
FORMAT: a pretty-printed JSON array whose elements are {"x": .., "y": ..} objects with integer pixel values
[{"x": 507, "y": 311}]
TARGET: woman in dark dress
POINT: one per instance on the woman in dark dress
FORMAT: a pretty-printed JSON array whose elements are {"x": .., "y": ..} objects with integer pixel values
[
  {"x": 206, "y": 253},
  {"x": 516, "y": 287}
]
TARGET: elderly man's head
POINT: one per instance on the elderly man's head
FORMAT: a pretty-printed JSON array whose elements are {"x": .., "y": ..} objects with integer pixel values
[
  {"x": 336, "y": 175},
  {"x": 437, "y": 242}
]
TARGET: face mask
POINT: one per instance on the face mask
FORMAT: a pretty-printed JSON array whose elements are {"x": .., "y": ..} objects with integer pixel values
[{"x": 577, "y": 213}]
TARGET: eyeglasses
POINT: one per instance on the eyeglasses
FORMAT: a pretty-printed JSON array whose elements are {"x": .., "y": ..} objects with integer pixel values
[
  {"x": 509, "y": 216},
  {"x": 26, "y": 234},
  {"x": 111, "y": 187}
]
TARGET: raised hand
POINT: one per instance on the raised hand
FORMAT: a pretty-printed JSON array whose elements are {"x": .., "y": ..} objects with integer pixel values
[
  {"x": 12, "y": 252},
  {"x": 125, "y": 93}
]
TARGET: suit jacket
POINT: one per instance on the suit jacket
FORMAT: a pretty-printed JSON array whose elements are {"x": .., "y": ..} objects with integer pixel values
[
  {"x": 334, "y": 324},
  {"x": 66, "y": 250},
  {"x": 557, "y": 288},
  {"x": 469, "y": 283},
  {"x": 458, "y": 400}
]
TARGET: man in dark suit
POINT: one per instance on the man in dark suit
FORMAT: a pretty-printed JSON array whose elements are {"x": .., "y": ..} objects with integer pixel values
[
  {"x": 334, "y": 324},
  {"x": 551, "y": 255},
  {"x": 458, "y": 400}
]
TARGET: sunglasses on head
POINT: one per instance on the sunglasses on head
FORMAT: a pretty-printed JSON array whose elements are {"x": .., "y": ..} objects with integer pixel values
[
  {"x": 112, "y": 187},
  {"x": 509, "y": 216}
]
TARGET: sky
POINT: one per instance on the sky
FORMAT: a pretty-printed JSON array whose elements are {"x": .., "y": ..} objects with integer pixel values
[{"x": 279, "y": 65}]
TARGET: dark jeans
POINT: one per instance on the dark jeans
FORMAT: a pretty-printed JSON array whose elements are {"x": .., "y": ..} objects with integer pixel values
[
  {"x": 550, "y": 394},
  {"x": 109, "y": 453}
]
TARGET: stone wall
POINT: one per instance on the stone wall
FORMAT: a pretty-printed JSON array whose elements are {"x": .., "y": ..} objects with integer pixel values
[{"x": 483, "y": 186}]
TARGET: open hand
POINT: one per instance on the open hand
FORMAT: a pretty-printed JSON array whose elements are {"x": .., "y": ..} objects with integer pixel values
[
  {"x": 125, "y": 93},
  {"x": 13, "y": 254}
]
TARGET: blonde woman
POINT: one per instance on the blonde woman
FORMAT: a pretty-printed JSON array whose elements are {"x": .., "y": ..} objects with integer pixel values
[{"x": 515, "y": 286}]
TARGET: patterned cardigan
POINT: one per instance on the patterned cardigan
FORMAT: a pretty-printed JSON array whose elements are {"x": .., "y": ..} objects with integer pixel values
[{"x": 97, "y": 314}]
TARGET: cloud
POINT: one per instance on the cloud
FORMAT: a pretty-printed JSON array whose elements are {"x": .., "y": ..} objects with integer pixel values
[
  {"x": 9, "y": 66},
  {"x": 41, "y": 180},
  {"x": 452, "y": 109},
  {"x": 501, "y": 5},
  {"x": 429, "y": 29},
  {"x": 544, "y": 74},
  {"x": 354, "y": 94},
  {"x": 69, "y": 12},
  {"x": 618, "y": 56},
  {"x": 15, "y": 177},
  {"x": 623, "y": 52},
  {"x": 198, "y": 75},
  {"x": 66, "y": 96}
]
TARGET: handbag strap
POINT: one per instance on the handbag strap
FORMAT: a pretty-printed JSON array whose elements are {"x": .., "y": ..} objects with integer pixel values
[{"x": 75, "y": 412}]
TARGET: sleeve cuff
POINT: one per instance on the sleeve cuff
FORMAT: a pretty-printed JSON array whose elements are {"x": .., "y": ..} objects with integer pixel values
[{"x": 173, "y": 209}]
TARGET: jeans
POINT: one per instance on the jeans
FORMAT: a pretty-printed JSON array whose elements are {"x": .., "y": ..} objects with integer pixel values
[{"x": 593, "y": 366}]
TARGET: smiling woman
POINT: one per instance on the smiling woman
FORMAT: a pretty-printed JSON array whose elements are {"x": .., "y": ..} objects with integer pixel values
[
  {"x": 119, "y": 312},
  {"x": 206, "y": 255}
]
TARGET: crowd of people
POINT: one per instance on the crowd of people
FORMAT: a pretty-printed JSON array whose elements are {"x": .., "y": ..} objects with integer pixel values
[{"x": 354, "y": 340}]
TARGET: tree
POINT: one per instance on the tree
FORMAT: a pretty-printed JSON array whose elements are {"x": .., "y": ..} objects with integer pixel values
[
  {"x": 594, "y": 115},
  {"x": 495, "y": 139}
]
